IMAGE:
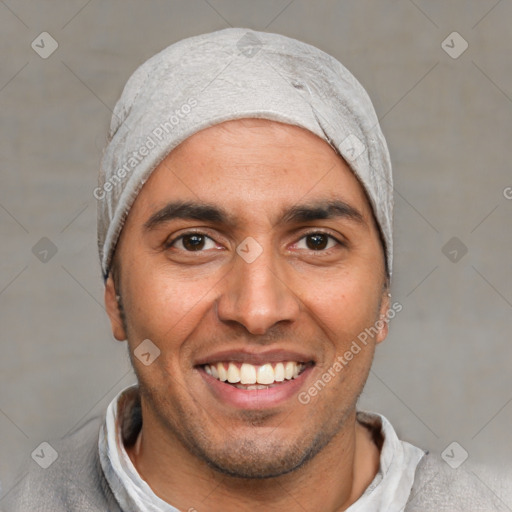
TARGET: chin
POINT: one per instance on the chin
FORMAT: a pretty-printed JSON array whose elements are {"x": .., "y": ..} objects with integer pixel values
[{"x": 258, "y": 458}]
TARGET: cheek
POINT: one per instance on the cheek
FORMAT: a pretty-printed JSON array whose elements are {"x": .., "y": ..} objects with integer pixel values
[
  {"x": 165, "y": 308},
  {"x": 347, "y": 304}
]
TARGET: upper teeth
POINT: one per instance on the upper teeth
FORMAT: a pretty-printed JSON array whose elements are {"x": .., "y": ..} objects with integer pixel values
[{"x": 250, "y": 374}]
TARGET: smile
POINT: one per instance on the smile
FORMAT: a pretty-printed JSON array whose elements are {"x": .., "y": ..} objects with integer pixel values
[
  {"x": 243, "y": 379},
  {"x": 248, "y": 376}
]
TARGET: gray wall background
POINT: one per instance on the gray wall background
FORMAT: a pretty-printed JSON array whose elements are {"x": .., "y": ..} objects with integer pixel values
[{"x": 443, "y": 374}]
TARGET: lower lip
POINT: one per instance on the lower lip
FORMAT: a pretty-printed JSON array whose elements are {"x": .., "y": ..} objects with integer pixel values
[{"x": 255, "y": 399}]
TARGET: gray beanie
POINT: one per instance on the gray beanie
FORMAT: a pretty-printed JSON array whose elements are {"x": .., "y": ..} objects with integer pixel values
[{"x": 232, "y": 74}]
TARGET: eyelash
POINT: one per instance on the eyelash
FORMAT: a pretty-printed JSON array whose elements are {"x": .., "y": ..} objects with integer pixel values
[{"x": 169, "y": 243}]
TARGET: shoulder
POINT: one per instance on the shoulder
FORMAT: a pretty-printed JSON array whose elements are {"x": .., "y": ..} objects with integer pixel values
[
  {"x": 73, "y": 481},
  {"x": 472, "y": 486}
]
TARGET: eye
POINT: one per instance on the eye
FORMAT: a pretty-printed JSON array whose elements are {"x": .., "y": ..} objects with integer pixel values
[
  {"x": 191, "y": 242},
  {"x": 318, "y": 241}
]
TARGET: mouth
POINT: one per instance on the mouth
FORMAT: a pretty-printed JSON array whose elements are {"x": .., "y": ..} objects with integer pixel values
[
  {"x": 255, "y": 382},
  {"x": 250, "y": 377}
]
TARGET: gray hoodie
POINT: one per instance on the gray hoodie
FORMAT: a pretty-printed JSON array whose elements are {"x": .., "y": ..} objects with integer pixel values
[{"x": 75, "y": 483}]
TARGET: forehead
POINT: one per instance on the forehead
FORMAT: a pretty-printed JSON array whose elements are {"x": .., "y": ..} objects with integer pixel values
[{"x": 252, "y": 167}]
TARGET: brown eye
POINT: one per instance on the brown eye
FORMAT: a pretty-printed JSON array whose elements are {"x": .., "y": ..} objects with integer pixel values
[
  {"x": 317, "y": 241},
  {"x": 191, "y": 242}
]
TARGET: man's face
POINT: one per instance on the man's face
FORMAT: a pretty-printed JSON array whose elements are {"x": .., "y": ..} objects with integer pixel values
[{"x": 258, "y": 278}]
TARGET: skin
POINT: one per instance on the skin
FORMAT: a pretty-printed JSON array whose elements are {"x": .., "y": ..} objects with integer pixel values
[{"x": 195, "y": 450}]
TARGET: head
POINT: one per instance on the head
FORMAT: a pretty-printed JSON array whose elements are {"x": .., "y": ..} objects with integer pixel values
[
  {"x": 317, "y": 281},
  {"x": 252, "y": 243}
]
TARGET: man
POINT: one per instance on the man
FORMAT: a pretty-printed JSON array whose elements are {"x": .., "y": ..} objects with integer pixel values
[{"x": 244, "y": 227}]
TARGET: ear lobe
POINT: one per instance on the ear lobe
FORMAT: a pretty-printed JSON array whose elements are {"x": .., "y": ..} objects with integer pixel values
[
  {"x": 383, "y": 321},
  {"x": 113, "y": 310}
]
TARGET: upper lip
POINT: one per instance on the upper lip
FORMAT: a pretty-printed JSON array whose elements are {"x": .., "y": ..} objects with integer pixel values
[{"x": 255, "y": 358}]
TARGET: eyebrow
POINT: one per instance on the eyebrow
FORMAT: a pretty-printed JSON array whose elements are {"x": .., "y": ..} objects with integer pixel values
[
  {"x": 320, "y": 210},
  {"x": 188, "y": 210},
  {"x": 316, "y": 210}
]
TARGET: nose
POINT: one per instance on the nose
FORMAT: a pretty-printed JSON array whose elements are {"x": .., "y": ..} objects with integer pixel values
[{"x": 258, "y": 294}]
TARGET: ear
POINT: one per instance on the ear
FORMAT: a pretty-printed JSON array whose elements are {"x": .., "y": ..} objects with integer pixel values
[
  {"x": 383, "y": 321},
  {"x": 113, "y": 310}
]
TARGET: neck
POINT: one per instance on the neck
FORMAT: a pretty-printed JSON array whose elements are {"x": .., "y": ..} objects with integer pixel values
[{"x": 333, "y": 480}]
